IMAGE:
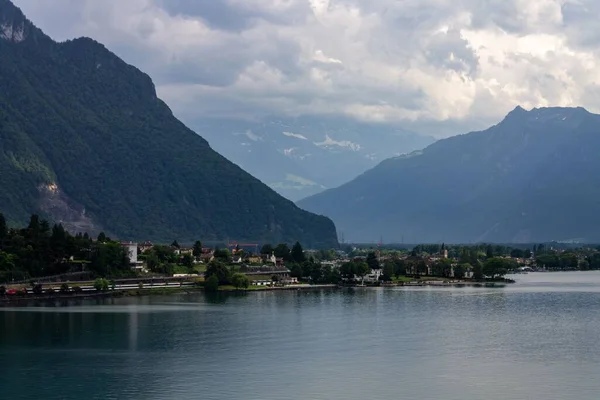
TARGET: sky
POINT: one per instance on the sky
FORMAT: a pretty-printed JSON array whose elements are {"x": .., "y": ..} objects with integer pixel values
[{"x": 438, "y": 67}]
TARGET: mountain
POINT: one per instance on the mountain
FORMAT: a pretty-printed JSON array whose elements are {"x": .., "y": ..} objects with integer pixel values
[
  {"x": 533, "y": 177},
  {"x": 84, "y": 140},
  {"x": 310, "y": 154}
]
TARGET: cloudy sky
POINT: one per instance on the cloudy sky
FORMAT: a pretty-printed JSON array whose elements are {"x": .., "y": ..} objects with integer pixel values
[{"x": 434, "y": 66}]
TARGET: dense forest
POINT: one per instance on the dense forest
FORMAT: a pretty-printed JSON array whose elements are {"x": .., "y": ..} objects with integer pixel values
[
  {"x": 85, "y": 140},
  {"x": 44, "y": 250}
]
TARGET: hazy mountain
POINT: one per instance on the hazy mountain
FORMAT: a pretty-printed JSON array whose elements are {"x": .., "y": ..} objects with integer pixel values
[
  {"x": 533, "y": 177},
  {"x": 84, "y": 140},
  {"x": 302, "y": 156}
]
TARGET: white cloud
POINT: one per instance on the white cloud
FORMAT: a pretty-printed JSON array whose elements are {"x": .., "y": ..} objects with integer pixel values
[
  {"x": 423, "y": 64},
  {"x": 329, "y": 142},
  {"x": 252, "y": 136},
  {"x": 295, "y": 135}
]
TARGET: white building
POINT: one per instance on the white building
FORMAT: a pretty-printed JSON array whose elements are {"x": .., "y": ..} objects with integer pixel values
[
  {"x": 373, "y": 276},
  {"x": 132, "y": 253}
]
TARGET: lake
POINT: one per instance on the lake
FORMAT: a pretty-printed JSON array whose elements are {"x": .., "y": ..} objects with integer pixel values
[{"x": 536, "y": 339}]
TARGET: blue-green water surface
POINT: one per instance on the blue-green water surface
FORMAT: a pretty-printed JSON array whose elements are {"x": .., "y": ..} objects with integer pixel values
[{"x": 537, "y": 339}]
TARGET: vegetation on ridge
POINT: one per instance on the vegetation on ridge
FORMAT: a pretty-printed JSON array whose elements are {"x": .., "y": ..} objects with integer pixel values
[{"x": 75, "y": 115}]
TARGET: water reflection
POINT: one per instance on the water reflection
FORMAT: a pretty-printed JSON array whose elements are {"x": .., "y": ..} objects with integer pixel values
[{"x": 525, "y": 341}]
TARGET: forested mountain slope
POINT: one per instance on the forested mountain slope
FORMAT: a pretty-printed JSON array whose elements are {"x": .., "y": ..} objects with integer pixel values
[
  {"x": 85, "y": 140},
  {"x": 533, "y": 177}
]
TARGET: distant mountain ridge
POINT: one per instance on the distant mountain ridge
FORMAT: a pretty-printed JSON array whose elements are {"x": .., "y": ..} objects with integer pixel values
[
  {"x": 302, "y": 156},
  {"x": 85, "y": 141},
  {"x": 535, "y": 176}
]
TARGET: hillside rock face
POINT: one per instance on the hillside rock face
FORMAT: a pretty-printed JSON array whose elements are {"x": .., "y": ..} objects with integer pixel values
[
  {"x": 84, "y": 140},
  {"x": 533, "y": 177}
]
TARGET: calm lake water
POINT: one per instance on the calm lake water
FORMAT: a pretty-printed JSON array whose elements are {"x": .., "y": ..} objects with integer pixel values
[{"x": 537, "y": 339}]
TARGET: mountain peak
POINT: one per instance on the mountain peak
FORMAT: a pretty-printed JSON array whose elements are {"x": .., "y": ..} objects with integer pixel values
[
  {"x": 545, "y": 114},
  {"x": 517, "y": 113}
]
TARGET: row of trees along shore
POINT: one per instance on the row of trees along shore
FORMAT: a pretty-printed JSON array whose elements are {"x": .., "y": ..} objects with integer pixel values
[{"x": 41, "y": 249}]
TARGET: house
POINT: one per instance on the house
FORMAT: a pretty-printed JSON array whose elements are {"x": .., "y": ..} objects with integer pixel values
[
  {"x": 372, "y": 277},
  {"x": 254, "y": 259},
  {"x": 147, "y": 245},
  {"x": 207, "y": 255},
  {"x": 132, "y": 253},
  {"x": 329, "y": 264},
  {"x": 186, "y": 250},
  {"x": 236, "y": 259}
]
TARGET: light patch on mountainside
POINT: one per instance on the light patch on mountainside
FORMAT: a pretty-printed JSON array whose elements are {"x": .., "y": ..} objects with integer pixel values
[
  {"x": 9, "y": 32},
  {"x": 54, "y": 203},
  {"x": 250, "y": 135},
  {"x": 295, "y": 182},
  {"x": 329, "y": 142},
  {"x": 409, "y": 155},
  {"x": 301, "y": 181},
  {"x": 296, "y": 135}
]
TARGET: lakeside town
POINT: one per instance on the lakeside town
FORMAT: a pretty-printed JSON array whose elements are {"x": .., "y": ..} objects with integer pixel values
[{"x": 45, "y": 260}]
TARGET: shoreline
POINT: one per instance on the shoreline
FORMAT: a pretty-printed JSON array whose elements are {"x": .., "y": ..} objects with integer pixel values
[{"x": 149, "y": 291}]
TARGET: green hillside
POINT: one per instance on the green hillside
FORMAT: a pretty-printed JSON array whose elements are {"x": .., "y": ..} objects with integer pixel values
[{"x": 76, "y": 116}]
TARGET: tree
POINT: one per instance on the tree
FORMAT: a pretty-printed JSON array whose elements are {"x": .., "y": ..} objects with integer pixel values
[
  {"x": 362, "y": 269},
  {"x": 446, "y": 267},
  {"x": 101, "y": 285},
  {"x": 517, "y": 253},
  {"x": 495, "y": 267},
  {"x": 568, "y": 261},
  {"x": 34, "y": 224},
  {"x": 477, "y": 272},
  {"x": 372, "y": 260},
  {"x": 101, "y": 237},
  {"x": 223, "y": 255},
  {"x": 489, "y": 251},
  {"x": 296, "y": 271},
  {"x": 188, "y": 261},
  {"x": 282, "y": 251},
  {"x": 266, "y": 249},
  {"x": 399, "y": 267},
  {"x": 64, "y": 288},
  {"x": 348, "y": 270},
  {"x": 316, "y": 273},
  {"x": 3, "y": 229},
  {"x": 389, "y": 269},
  {"x": 240, "y": 281},
  {"x": 527, "y": 253},
  {"x": 421, "y": 268},
  {"x": 460, "y": 270},
  {"x": 297, "y": 253},
  {"x": 218, "y": 269},
  {"x": 548, "y": 261},
  {"x": 175, "y": 244},
  {"x": 211, "y": 284},
  {"x": 197, "y": 250},
  {"x": 2, "y": 290}
]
